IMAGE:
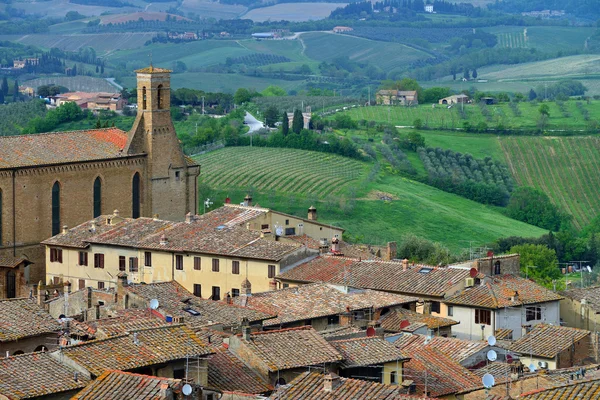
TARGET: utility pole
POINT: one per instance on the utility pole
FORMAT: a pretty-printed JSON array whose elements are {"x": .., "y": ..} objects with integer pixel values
[
  {"x": 202, "y": 105},
  {"x": 369, "y": 95}
]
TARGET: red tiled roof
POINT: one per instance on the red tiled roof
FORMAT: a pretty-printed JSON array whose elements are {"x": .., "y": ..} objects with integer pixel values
[
  {"x": 590, "y": 294},
  {"x": 7, "y": 261},
  {"x": 309, "y": 385},
  {"x": 317, "y": 300},
  {"x": 21, "y": 318},
  {"x": 457, "y": 349},
  {"x": 33, "y": 375},
  {"x": 503, "y": 291},
  {"x": 392, "y": 320},
  {"x": 578, "y": 390},
  {"x": 119, "y": 385},
  {"x": 360, "y": 352},
  {"x": 137, "y": 349},
  {"x": 125, "y": 321},
  {"x": 228, "y": 373},
  {"x": 378, "y": 275},
  {"x": 292, "y": 348},
  {"x": 61, "y": 147},
  {"x": 547, "y": 341}
]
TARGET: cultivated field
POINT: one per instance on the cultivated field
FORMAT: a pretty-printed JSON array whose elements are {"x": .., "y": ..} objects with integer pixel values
[
  {"x": 75, "y": 83},
  {"x": 293, "y": 12},
  {"x": 284, "y": 170},
  {"x": 147, "y": 16},
  {"x": 544, "y": 38},
  {"x": 103, "y": 42},
  {"x": 565, "y": 168},
  {"x": 210, "y": 9}
]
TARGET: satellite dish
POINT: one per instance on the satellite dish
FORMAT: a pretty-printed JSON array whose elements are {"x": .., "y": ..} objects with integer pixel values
[
  {"x": 279, "y": 231},
  {"x": 532, "y": 368},
  {"x": 488, "y": 381},
  {"x": 473, "y": 272},
  {"x": 370, "y": 331},
  {"x": 492, "y": 340},
  {"x": 186, "y": 389},
  {"x": 154, "y": 304},
  {"x": 492, "y": 356},
  {"x": 404, "y": 324}
]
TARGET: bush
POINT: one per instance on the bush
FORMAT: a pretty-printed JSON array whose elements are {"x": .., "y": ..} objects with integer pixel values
[{"x": 534, "y": 207}]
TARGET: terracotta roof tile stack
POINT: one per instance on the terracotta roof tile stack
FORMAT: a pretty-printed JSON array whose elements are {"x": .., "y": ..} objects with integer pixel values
[
  {"x": 379, "y": 275},
  {"x": 61, "y": 147},
  {"x": 391, "y": 321},
  {"x": 28, "y": 376},
  {"x": 310, "y": 385},
  {"x": 174, "y": 300},
  {"x": 137, "y": 349},
  {"x": 548, "y": 340},
  {"x": 579, "y": 390},
  {"x": 457, "y": 349},
  {"x": 503, "y": 291},
  {"x": 292, "y": 348},
  {"x": 319, "y": 300},
  {"x": 119, "y": 385},
  {"x": 228, "y": 373},
  {"x": 365, "y": 351},
  {"x": 23, "y": 318}
]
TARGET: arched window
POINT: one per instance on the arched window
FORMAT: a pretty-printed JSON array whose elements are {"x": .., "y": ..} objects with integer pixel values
[
  {"x": 55, "y": 209},
  {"x": 144, "y": 98},
  {"x": 135, "y": 196},
  {"x": 11, "y": 285},
  {"x": 158, "y": 96},
  {"x": 497, "y": 268},
  {"x": 16, "y": 353},
  {"x": 97, "y": 197}
]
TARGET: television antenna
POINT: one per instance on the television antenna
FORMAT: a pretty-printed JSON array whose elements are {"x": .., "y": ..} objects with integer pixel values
[{"x": 207, "y": 204}]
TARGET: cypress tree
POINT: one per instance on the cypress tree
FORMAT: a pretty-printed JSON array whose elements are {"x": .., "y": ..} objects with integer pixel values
[
  {"x": 297, "y": 122},
  {"x": 4, "y": 86},
  {"x": 16, "y": 95},
  {"x": 285, "y": 124}
]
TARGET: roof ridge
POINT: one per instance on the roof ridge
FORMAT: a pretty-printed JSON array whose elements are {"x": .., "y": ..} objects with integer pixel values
[
  {"x": 64, "y": 132},
  {"x": 298, "y": 328}
]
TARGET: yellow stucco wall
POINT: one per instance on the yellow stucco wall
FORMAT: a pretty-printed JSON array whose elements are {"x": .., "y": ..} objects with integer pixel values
[{"x": 387, "y": 371}]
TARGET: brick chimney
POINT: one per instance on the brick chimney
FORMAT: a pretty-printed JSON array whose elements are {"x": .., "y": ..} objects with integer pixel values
[
  {"x": 312, "y": 213},
  {"x": 335, "y": 245},
  {"x": 391, "y": 251},
  {"x": 331, "y": 382},
  {"x": 248, "y": 200},
  {"x": 246, "y": 329},
  {"x": 405, "y": 264},
  {"x": 272, "y": 285},
  {"x": 40, "y": 296}
]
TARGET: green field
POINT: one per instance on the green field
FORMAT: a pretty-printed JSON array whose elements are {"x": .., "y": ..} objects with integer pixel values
[
  {"x": 565, "y": 168},
  {"x": 292, "y": 180},
  {"x": 543, "y": 38},
  {"x": 75, "y": 83},
  {"x": 103, "y": 43},
  {"x": 293, "y": 12}
]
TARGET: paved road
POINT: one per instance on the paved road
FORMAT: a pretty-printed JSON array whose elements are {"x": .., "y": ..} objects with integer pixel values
[
  {"x": 112, "y": 82},
  {"x": 252, "y": 123}
]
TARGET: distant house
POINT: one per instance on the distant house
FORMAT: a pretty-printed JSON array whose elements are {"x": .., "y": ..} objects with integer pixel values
[
  {"x": 93, "y": 100},
  {"x": 263, "y": 35},
  {"x": 20, "y": 64},
  {"x": 342, "y": 29},
  {"x": 397, "y": 97},
  {"x": 429, "y": 8},
  {"x": 13, "y": 273},
  {"x": 306, "y": 116},
  {"x": 454, "y": 99}
]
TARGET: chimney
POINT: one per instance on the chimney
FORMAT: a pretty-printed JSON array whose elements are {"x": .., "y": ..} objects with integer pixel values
[
  {"x": 245, "y": 329},
  {"x": 163, "y": 240},
  {"x": 405, "y": 264},
  {"x": 335, "y": 245},
  {"x": 116, "y": 213},
  {"x": 515, "y": 296},
  {"x": 89, "y": 297},
  {"x": 189, "y": 218},
  {"x": 312, "y": 213},
  {"x": 246, "y": 288},
  {"x": 93, "y": 228},
  {"x": 272, "y": 285},
  {"x": 40, "y": 297},
  {"x": 65, "y": 229},
  {"x": 391, "y": 251},
  {"x": 66, "y": 287},
  {"x": 331, "y": 382},
  {"x": 121, "y": 284},
  {"x": 248, "y": 200}
]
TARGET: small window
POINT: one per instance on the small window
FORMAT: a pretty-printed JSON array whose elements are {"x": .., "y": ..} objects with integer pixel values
[
  {"x": 179, "y": 373},
  {"x": 81, "y": 284},
  {"x": 197, "y": 263},
  {"x": 287, "y": 221},
  {"x": 133, "y": 264},
  {"x": 147, "y": 259},
  {"x": 286, "y": 285},
  {"x": 98, "y": 260},
  {"x": 122, "y": 263},
  {"x": 83, "y": 258},
  {"x": 271, "y": 273},
  {"x": 179, "y": 262},
  {"x": 450, "y": 311},
  {"x": 394, "y": 378},
  {"x": 333, "y": 320},
  {"x": 197, "y": 290},
  {"x": 56, "y": 280},
  {"x": 215, "y": 265},
  {"x": 216, "y": 293},
  {"x": 177, "y": 175},
  {"x": 235, "y": 292},
  {"x": 497, "y": 268},
  {"x": 100, "y": 285},
  {"x": 483, "y": 317},
  {"x": 290, "y": 231},
  {"x": 264, "y": 226},
  {"x": 533, "y": 313},
  {"x": 56, "y": 255},
  {"x": 425, "y": 270},
  {"x": 235, "y": 267},
  {"x": 435, "y": 307}
]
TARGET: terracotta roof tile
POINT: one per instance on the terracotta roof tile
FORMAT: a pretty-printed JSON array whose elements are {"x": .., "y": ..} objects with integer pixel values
[
  {"x": 378, "y": 275},
  {"x": 392, "y": 320},
  {"x": 174, "y": 300},
  {"x": 590, "y": 294},
  {"x": 548, "y": 340},
  {"x": 32, "y": 375},
  {"x": 292, "y": 348},
  {"x": 457, "y": 349},
  {"x": 228, "y": 373},
  {"x": 119, "y": 385},
  {"x": 365, "y": 351},
  {"x": 137, "y": 349},
  {"x": 503, "y": 291},
  {"x": 309, "y": 385},
  {"x": 61, "y": 147},
  {"x": 7, "y": 261},
  {"x": 21, "y": 318},
  {"x": 125, "y": 321},
  {"x": 319, "y": 300},
  {"x": 589, "y": 390}
]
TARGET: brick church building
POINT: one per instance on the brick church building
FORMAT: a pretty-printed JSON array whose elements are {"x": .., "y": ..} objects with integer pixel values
[{"x": 52, "y": 180}]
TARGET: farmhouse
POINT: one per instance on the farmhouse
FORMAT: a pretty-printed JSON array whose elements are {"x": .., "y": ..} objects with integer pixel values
[
  {"x": 397, "y": 97},
  {"x": 580, "y": 307},
  {"x": 20, "y": 64},
  {"x": 454, "y": 99},
  {"x": 429, "y": 8},
  {"x": 92, "y": 101},
  {"x": 342, "y": 29}
]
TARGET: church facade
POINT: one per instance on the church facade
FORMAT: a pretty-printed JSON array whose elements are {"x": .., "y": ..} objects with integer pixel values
[{"x": 52, "y": 180}]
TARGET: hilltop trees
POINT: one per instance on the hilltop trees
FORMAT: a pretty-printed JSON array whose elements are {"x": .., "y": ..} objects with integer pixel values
[
  {"x": 271, "y": 116},
  {"x": 4, "y": 86},
  {"x": 534, "y": 207}
]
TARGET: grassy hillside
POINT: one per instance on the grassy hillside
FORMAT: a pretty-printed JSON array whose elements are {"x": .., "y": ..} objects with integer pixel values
[
  {"x": 544, "y": 38},
  {"x": 339, "y": 188},
  {"x": 292, "y": 12},
  {"x": 566, "y": 169},
  {"x": 103, "y": 42}
]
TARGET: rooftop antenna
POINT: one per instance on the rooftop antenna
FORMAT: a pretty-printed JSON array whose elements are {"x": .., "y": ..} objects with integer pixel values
[{"x": 150, "y": 55}]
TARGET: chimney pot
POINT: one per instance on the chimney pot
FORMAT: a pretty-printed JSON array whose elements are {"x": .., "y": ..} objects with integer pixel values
[
  {"x": 246, "y": 288},
  {"x": 272, "y": 285},
  {"x": 248, "y": 200},
  {"x": 331, "y": 382},
  {"x": 116, "y": 213},
  {"x": 164, "y": 240},
  {"x": 405, "y": 264},
  {"x": 65, "y": 229},
  {"x": 93, "y": 229},
  {"x": 312, "y": 213}
]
